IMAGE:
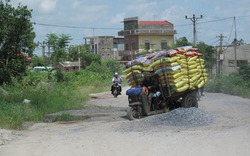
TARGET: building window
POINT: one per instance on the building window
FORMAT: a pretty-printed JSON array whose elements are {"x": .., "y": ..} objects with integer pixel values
[
  {"x": 133, "y": 46},
  {"x": 147, "y": 45},
  {"x": 164, "y": 45},
  {"x": 126, "y": 47},
  {"x": 92, "y": 48},
  {"x": 241, "y": 63},
  {"x": 115, "y": 45},
  {"x": 231, "y": 63},
  {"x": 95, "y": 48}
]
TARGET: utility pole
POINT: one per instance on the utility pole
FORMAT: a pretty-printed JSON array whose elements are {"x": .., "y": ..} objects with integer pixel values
[
  {"x": 43, "y": 45},
  {"x": 235, "y": 44},
  {"x": 220, "y": 56},
  {"x": 194, "y": 19},
  {"x": 79, "y": 58}
]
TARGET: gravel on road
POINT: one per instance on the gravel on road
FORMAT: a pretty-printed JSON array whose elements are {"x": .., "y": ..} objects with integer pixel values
[{"x": 179, "y": 118}]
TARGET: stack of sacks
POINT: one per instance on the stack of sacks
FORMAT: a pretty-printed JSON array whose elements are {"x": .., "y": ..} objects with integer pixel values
[
  {"x": 204, "y": 76},
  {"x": 134, "y": 74},
  {"x": 136, "y": 68},
  {"x": 170, "y": 72},
  {"x": 180, "y": 69},
  {"x": 192, "y": 69}
]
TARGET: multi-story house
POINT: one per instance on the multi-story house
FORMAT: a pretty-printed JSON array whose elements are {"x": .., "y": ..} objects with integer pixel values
[
  {"x": 137, "y": 35},
  {"x": 156, "y": 35}
]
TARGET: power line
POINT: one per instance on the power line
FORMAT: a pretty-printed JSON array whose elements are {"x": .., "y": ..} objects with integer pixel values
[
  {"x": 75, "y": 27},
  {"x": 211, "y": 21},
  {"x": 218, "y": 20},
  {"x": 231, "y": 32},
  {"x": 214, "y": 42}
]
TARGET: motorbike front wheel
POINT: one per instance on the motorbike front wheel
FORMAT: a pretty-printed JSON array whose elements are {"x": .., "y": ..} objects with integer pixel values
[
  {"x": 134, "y": 112},
  {"x": 115, "y": 92}
]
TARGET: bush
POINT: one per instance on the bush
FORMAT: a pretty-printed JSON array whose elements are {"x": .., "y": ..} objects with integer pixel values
[
  {"x": 52, "y": 92},
  {"x": 244, "y": 71},
  {"x": 233, "y": 84},
  {"x": 214, "y": 84},
  {"x": 109, "y": 66},
  {"x": 112, "y": 65},
  {"x": 97, "y": 67},
  {"x": 48, "y": 97}
]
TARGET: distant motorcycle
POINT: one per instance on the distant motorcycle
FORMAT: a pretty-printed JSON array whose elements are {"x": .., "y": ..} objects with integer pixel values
[{"x": 116, "y": 90}]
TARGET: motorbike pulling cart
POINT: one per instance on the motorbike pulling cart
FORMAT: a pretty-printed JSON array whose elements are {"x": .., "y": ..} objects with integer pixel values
[{"x": 180, "y": 73}]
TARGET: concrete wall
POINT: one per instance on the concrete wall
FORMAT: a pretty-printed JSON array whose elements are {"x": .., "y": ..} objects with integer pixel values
[
  {"x": 242, "y": 54},
  {"x": 131, "y": 43},
  {"x": 155, "y": 41}
]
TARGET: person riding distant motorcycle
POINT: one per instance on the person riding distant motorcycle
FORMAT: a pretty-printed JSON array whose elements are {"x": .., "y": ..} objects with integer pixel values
[
  {"x": 150, "y": 86},
  {"x": 116, "y": 80}
]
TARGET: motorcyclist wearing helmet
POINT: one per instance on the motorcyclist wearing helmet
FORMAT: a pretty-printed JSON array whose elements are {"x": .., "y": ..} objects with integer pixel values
[{"x": 117, "y": 80}]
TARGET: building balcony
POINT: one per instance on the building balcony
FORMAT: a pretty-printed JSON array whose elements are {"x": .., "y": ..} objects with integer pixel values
[{"x": 146, "y": 32}]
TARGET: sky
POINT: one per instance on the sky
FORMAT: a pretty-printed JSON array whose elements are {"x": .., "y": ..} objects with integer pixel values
[{"x": 86, "y": 18}]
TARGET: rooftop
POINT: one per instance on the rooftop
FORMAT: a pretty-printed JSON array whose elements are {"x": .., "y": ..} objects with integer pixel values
[{"x": 155, "y": 23}]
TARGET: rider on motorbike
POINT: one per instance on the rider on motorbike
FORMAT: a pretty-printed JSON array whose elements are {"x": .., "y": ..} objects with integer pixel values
[{"x": 116, "y": 80}]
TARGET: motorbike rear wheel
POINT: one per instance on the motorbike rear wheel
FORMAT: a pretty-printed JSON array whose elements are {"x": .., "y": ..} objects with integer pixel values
[{"x": 189, "y": 100}]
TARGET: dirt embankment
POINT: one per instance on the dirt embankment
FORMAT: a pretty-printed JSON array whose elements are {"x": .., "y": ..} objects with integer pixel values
[{"x": 221, "y": 126}]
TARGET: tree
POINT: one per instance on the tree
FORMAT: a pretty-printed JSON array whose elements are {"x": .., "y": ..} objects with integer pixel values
[
  {"x": 208, "y": 55},
  {"x": 182, "y": 42},
  {"x": 37, "y": 61},
  {"x": 16, "y": 39},
  {"x": 58, "y": 45},
  {"x": 83, "y": 52},
  {"x": 238, "y": 42}
]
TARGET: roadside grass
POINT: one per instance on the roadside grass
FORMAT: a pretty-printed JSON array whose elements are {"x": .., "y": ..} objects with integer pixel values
[
  {"x": 233, "y": 84},
  {"x": 49, "y": 97}
]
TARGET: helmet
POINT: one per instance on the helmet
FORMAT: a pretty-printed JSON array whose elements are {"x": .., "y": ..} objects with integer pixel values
[{"x": 116, "y": 73}]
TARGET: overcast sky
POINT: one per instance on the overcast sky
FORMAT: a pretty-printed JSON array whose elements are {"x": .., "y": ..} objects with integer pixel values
[{"x": 78, "y": 17}]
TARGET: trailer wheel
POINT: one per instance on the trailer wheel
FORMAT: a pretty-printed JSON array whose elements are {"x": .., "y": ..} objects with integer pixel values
[
  {"x": 133, "y": 113},
  {"x": 189, "y": 100}
]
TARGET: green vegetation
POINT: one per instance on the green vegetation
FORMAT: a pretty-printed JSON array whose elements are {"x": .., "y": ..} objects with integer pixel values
[
  {"x": 16, "y": 40},
  {"x": 233, "y": 84},
  {"x": 49, "y": 96},
  {"x": 55, "y": 90}
]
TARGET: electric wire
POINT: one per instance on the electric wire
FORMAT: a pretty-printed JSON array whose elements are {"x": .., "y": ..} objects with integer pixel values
[
  {"x": 231, "y": 32},
  {"x": 218, "y": 20},
  {"x": 214, "y": 42},
  {"x": 75, "y": 27},
  {"x": 178, "y": 25}
]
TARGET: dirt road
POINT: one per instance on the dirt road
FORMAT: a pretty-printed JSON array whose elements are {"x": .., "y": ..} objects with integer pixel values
[{"x": 102, "y": 134}]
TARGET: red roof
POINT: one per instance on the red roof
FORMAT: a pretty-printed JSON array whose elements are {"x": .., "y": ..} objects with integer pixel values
[{"x": 155, "y": 22}]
